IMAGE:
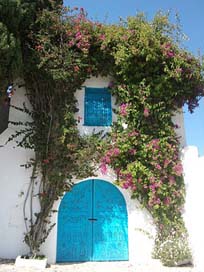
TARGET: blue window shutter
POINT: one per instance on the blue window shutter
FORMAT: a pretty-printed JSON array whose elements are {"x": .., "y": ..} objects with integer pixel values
[{"x": 97, "y": 108}]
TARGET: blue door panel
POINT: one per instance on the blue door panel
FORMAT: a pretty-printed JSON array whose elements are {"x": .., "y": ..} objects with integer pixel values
[
  {"x": 74, "y": 230},
  {"x": 92, "y": 224},
  {"x": 110, "y": 237}
]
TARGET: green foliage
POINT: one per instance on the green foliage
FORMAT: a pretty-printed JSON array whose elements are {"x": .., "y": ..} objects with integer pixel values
[
  {"x": 152, "y": 78},
  {"x": 174, "y": 249}
]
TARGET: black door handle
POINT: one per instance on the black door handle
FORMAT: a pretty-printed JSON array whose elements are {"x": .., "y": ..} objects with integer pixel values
[{"x": 92, "y": 219}]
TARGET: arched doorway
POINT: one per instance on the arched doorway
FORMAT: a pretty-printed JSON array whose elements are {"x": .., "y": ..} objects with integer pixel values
[{"x": 92, "y": 223}]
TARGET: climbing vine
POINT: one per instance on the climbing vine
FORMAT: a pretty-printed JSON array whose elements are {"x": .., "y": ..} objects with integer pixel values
[{"x": 153, "y": 77}]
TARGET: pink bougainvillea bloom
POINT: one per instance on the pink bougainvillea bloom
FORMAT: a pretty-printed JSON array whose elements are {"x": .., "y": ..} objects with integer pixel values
[
  {"x": 71, "y": 43},
  {"x": 179, "y": 70},
  {"x": 166, "y": 163},
  {"x": 39, "y": 47},
  {"x": 170, "y": 54},
  {"x": 172, "y": 180},
  {"x": 155, "y": 143},
  {"x": 107, "y": 159},
  {"x": 152, "y": 179},
  {"x": 139, "y": 180},
  {"x": 157, "y": 201},
  {"x": 110, "y": 84},
  {"x": 167, "y": 201},
  {"x": 103, "y": 169},
  {"x": 76, "y": 68},
  {"x": 78, "y": 34},
  {"x": 134, "y": 187},
  {"x": 178, "y": 169},
  {"x": 150, "y": 203},
  {"x": 123, "y": 109},
  {"x": 133, "y": 133},
  {"x": 102, "y": 37},
  {"x": 116, "y": 151},
  {"x": 117, "y": 170},
  {"x": 125, "y": 185},
  {"x": 176, "y": 126},
  {"x": 129, "y": 177},
  {"x": 157, "y": 166},
  {"x": 46, "y": 161},
  {"x": 167, "y": 45},
  {"x": 132, "y": 151},
  {"x": 78, "y": 44},
  {"x": 146, "y": 112},
  {"x": 79, "y": 118},
  {"x": 153, "y": 187}
]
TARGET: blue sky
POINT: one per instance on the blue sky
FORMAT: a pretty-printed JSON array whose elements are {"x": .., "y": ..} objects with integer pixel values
[{"x": 192, "y": 21}]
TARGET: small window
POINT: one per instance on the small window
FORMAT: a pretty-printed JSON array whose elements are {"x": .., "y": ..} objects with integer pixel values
[{"x": 97, "y": 108}]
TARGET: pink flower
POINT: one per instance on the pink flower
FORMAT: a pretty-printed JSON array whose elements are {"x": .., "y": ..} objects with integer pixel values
[
  {"x": 78, "y": 34},
  {"x": 170, "y": 54},
  {"x": 152, "y": 179},
  {"x": 172, "y": 180},
  {"x": 126, "y": 185},
  {"x": 153, "y": 187},
  {"x": 110, "y": 84},
  {"x": 102, "y": 37},
  {"x": 71, "y": 43},
  {"x": 76, "y": 68},
  {"x": 129, "y": 177},
  {"x": 178, "y": 169},
  {"x": 155, "y": 143},
  {"x": 123, "y": 109},
  {"x": 157, "y": 201},
  {"x": 78, "y": 44},
  {"x": 117, "y": 170},
  {"x": 46, "y": 161},
  {"x": 107, "y": 159},
  {"x": 166, "y": 163},
  {"x": 179, "y": 70},
  {"x": 103, "y": 169},
  {"x": 133, "y": 133},
  {"x": 146, "y": 112},
  {"x": 176, "y": 126},
  {"x": 139, "y": 180},
  {"x": 167, "y": 45},
  {"x": 157, "y": 166},
  {"x": 134, "y": 187},
  {"x": 79, "y": 118},
  {"x": 132, "y": 151},
  {"x": 167, "y": 201},
  {"x": 116, "y": 151}
]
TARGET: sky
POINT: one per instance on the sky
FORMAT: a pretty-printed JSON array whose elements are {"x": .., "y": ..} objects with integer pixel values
[{"x": 191, "y": 15}]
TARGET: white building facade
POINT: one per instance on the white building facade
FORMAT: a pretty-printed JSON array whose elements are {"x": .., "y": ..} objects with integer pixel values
[{"x": 15, "y": 180}]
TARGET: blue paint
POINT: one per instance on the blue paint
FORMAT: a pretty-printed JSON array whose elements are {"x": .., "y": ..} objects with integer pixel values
[
  {"x": 97, "y": 107},
  {"x": 92, "y": 224}
]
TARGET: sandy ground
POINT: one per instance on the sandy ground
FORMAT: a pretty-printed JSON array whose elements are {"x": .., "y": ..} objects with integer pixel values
[{"x": 155, "y": 266}]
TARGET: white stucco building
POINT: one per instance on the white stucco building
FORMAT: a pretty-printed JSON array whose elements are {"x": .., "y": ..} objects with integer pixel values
[{"x": 15, "y": 179}]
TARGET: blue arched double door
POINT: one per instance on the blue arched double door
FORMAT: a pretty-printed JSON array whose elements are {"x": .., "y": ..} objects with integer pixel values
[{"x": 92, "y": 223}]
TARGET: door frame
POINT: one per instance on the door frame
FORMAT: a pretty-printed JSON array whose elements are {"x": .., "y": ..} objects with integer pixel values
[{"x": 125, "y": 209}]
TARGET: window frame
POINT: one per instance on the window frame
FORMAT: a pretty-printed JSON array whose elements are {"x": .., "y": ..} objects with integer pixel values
[{"x": 103, "y": 92}]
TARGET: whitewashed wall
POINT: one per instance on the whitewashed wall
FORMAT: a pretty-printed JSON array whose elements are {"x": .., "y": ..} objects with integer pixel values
[
  {"x": 15, "y": 179},
  {"x": 193, "y": 216}
]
